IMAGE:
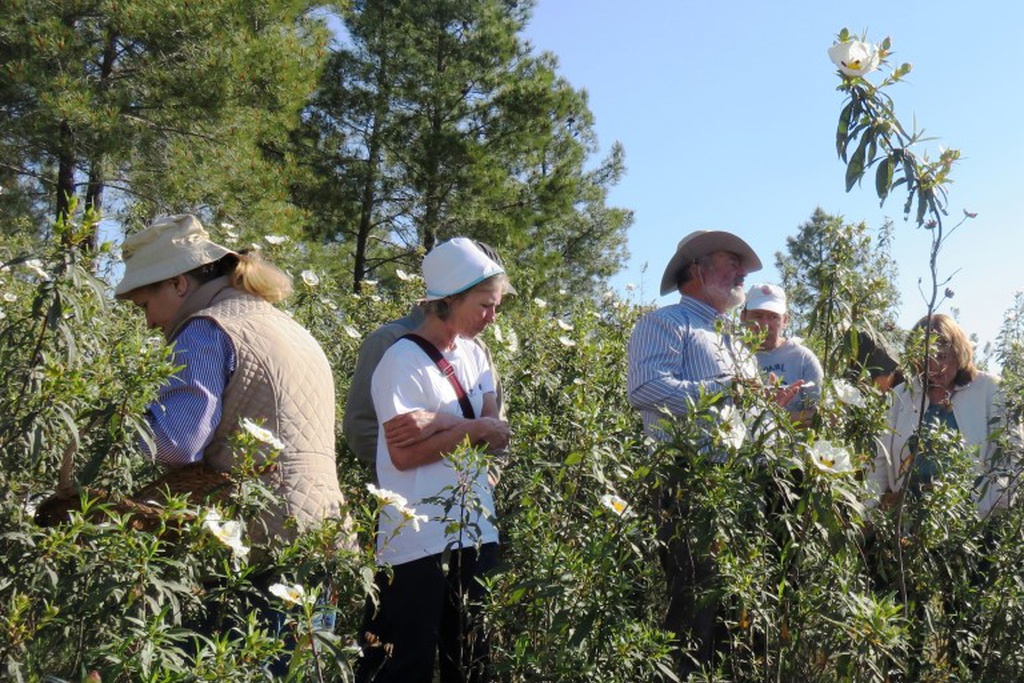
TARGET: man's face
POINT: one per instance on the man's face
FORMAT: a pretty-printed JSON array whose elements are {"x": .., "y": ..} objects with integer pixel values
[
  {"x": 723, "y": 281},
  {"x": 768, "y": 323}
]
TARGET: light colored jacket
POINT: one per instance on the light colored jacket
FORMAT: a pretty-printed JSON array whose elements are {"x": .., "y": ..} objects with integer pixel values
[
  {"x": 282, "y": 379},
  {"x": 979, "y": 413}
]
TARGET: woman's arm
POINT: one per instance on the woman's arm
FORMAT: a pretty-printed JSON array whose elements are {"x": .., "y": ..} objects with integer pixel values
[
  {"x": 483, "y": 430},
  {"x": 188, "y": 408}
]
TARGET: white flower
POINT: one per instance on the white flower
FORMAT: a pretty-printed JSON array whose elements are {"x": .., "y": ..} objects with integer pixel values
[
  {"x": 855, "y": 58},
  {"x": 410, "y": 516},
  {"x": 310, "y": 278},
  {"x": 276, "y": 239},
  {"x": 402, "y": 275},
  {"x": 563, "y": 292},
  {"x": 540, "y": 303},
  {"x": 848, "y": 394},
  {"x": 36, "y": 266},
  {"x": 370, "y": 283},
  {"x": 565, "y": 341},
  {"x": 400, "y": 503},
  {"x": 828, "y": 457},
  {"x": 2, "y": 315},
  {"x": 388, "y": 497},
  {"x": 227, "y": 226},
  {"x": 630, "y": 286},
  {"x": 498, "y": 336},
  {"x": 10, "y": 297},
  {"x": 229, "y": 533},
  {"x": 293, "y": 595},
  {"x": 261, "y": 433},
  {"x": 513, "y": 341},
  {"x": 564, "y": 325},
  {"x": 352, "y": 332},
  {"x": 615, "y": 504},
  {"x": 375, "y": 297},
  {"x": 731, "y": 428}
]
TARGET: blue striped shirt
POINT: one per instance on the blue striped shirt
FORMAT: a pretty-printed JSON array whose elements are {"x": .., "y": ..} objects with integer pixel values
[
  {"x": 676, "y": 352},
  {"x": 188, "y": 408}
]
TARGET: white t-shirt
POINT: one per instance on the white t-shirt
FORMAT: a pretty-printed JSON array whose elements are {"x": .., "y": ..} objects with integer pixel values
[{"x": 406, "y": 379}]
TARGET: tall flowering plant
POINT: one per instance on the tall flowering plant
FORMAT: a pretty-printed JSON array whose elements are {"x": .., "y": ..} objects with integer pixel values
[{"x": 869, "y": 134}]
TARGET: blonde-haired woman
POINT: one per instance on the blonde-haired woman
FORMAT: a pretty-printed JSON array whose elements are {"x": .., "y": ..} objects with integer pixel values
[
  {"x": 956, "y": 397},
  {"x": 242, "y": 359}
]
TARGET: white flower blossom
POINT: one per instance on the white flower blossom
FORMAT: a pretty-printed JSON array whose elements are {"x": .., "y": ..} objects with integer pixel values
[
  {"x": 388, "y": 497},
  {"x": 370, "y": 283},
  {"x": 352, "y": 332},
  {"x": 563, "y": 292},
  {"x": 229, "y": 533},
  {"x": 400, "y": 503},
  {"x": 36, "y": 266},
  {"x": 404, "y": 276},
  {"x": 615, "y": 504},
  {"x": 498, "y": 336},
  {"x": 513, "y": 341},
  {"x": 565, "y": 341},
  {"x": 855, "y": 58},
  {"x": 310, "y": 278},
  {"x": 293, "y": 595},
  {"x": 10, "y": 297},
  {"x": 731, "y": 428},
  {"x": 261, "y": 434},
  {"x": 276, "y": 239},
  {"x": 630, "y": 286},
  {"x": 829, "y": 457},
  {"x": 848, "y": 394},
  {"x": 564, "y": 325},
  {"x": 540, "y": 303}
]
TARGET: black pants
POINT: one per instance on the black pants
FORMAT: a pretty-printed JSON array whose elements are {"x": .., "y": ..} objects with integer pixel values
[
  {"x": 693, "y": 613},
  {"x": 423, "y": 609}
]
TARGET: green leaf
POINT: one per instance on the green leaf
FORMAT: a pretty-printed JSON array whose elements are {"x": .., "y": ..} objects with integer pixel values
[
  {"x": 883, "y": 178},
  {"x": 855, "y": 169}
]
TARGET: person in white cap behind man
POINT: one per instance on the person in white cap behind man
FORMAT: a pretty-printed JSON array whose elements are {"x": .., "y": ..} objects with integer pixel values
[
  {"x": 783, "y": 359},
  {"x": 436, "y": 376},
  {"x": 676, "y": 353}
]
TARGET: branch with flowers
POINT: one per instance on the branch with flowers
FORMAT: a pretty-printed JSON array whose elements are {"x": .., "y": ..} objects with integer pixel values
[{"x": 870, "y": 134}]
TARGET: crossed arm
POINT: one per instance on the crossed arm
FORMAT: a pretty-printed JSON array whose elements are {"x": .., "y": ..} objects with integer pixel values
[{"x": 420, "y": 437}]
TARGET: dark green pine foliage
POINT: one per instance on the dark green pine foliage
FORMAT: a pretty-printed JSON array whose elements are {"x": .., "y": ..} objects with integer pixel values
[
  {"x": 435, "y": 119},
  {"x": 155, "y": 105}
]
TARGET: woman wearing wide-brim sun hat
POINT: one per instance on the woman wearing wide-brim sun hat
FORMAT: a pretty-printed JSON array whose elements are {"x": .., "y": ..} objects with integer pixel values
[
  {"x": 244, "y": 362},
  {"x": 436, "y": 375}
]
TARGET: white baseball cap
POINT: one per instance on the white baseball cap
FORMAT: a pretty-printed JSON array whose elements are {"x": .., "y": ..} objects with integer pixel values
[
  {"x": 766, "y": 298},
  {"x": 455, "y": 266}
]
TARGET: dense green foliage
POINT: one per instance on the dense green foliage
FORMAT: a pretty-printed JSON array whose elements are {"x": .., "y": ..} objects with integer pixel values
[
  {"x": 381, "y": 127},
  {"x": 815, "y": 586}
]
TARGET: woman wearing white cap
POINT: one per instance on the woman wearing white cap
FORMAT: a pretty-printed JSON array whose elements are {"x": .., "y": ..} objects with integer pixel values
[
  {"x": 242, "y": 359},
  {"x": 433, "y": 390}
]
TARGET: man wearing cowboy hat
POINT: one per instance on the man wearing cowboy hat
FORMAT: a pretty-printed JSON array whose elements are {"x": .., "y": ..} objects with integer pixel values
[{"x": 676, "y": 353}]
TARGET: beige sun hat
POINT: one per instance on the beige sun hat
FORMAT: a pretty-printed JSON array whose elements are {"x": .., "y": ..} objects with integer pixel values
[
  {"x": 701, "y": 243},
  {"x": 170, "y": 246}
]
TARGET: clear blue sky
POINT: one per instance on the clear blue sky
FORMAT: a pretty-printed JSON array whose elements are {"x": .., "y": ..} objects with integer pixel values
[{"x": 727, "y": 111}]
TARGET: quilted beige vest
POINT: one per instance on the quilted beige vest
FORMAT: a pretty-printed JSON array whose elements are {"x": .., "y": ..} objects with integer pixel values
[{"x": 282, "y": 380}]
